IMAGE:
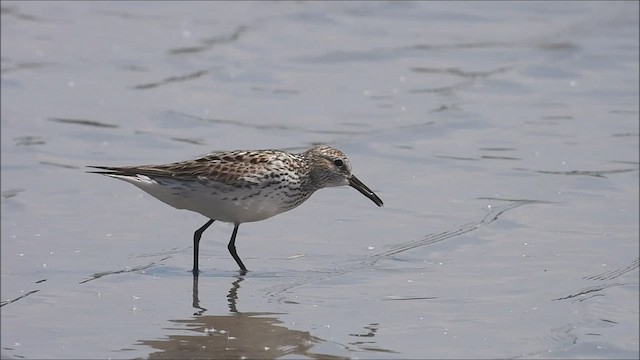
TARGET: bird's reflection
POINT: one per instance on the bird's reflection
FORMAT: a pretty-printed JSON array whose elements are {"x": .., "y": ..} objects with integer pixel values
[
  {"x": 233, "y": 335},
  {"x": 232, "y": 297},
  {"x": 195, "y": 299}
]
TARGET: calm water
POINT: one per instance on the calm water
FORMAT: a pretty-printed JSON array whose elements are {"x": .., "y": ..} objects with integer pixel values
[{"x": 502, "y": 137}]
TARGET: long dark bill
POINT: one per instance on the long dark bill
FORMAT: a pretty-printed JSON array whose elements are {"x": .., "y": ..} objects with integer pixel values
[{"x": 364, "y": 190}]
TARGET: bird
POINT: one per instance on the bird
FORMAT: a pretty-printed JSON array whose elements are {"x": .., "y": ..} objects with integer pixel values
[{"x": 241, "y": 186}]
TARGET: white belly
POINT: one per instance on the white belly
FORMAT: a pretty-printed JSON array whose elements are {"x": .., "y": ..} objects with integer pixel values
[{"x": 220, "y": 202}]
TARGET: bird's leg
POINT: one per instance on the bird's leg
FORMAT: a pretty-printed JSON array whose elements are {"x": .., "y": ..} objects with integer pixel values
[
  {"x": 196, "y": 245},
  {"x": 232, "y": 249}
]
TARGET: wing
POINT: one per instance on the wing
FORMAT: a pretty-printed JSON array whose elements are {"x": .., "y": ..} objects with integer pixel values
[{"x": 231, "y": 168}]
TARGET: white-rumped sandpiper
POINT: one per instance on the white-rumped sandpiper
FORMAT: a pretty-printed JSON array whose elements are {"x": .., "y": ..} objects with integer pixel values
[{"x": 241, "y": 186}]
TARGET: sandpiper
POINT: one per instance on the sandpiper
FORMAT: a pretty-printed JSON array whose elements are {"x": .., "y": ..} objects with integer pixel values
[{"x": 242, "y": 185}]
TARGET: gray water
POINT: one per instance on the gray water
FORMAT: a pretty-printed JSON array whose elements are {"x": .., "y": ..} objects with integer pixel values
[{"x": 502, "y": 137}]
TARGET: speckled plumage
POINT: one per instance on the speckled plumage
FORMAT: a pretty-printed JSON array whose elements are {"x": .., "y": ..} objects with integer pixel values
[{"x": 243, "y": 185}]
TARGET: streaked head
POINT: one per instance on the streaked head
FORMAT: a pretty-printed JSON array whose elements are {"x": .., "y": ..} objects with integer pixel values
[{"x": 332, "y": 168}]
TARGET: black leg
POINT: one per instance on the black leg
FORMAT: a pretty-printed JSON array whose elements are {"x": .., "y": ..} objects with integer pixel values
[
  {"x": 232, "y": 248},
  {"x": 196, "y": 245}
]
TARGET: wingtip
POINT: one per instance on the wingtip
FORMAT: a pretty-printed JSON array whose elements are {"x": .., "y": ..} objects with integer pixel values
[{"x": 105, "y": 170}]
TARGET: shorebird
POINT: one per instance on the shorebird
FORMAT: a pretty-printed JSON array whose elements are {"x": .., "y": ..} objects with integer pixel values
[{"x": 242, "y": 185}]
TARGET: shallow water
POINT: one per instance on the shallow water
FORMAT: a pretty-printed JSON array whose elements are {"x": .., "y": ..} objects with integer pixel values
[{"x": 503, "y": 139}]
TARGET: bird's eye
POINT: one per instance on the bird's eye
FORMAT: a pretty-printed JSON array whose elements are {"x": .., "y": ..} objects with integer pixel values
[{"x": 338, "y": 162}]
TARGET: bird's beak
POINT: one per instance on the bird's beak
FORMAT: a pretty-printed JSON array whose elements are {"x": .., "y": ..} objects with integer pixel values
[{"x": 364, "y": 190}]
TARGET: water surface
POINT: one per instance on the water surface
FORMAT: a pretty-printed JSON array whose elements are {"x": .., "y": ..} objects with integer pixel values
[{"x": 502, "y": 137}]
